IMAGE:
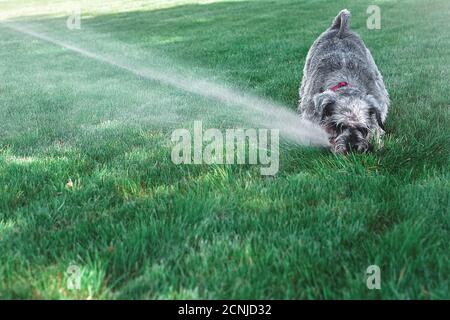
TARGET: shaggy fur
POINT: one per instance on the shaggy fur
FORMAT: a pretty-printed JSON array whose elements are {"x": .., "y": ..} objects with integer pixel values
[{"x": 353, "y": 114}]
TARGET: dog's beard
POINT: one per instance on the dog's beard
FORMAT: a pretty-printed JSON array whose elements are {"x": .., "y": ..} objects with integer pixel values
[{"x": 349, "y": 140}]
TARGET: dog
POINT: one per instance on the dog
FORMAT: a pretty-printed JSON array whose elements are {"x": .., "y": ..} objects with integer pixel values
[{"x": 342, "y": 89}]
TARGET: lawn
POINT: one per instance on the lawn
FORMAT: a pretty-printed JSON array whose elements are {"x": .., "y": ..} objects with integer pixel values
[{"x": 139, "y": 226}]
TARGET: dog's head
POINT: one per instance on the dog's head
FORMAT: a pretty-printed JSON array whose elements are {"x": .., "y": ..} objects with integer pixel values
[{"x": 352, "y": 122}]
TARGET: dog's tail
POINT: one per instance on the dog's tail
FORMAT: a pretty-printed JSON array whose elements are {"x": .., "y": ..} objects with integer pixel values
[{"x": 341, "y": 22}]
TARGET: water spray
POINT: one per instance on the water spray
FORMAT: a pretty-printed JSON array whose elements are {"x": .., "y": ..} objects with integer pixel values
[{"x": 274, "y": 115}]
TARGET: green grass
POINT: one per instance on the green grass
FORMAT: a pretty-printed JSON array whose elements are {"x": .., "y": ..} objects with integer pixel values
[{"x": 141, "y": 227}]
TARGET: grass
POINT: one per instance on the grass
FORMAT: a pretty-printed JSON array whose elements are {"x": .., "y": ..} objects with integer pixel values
[{"x": 141, "y": 227}]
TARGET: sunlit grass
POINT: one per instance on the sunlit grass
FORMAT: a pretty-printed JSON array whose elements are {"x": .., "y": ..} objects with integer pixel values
[{"x": 10, "y": 9}]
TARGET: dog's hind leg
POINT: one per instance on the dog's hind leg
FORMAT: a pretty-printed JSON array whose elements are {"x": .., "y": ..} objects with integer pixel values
[{"x": 378, "y": 90}]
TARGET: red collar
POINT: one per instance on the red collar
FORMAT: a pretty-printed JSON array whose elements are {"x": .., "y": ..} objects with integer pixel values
[{"x": 339, "y": 85}]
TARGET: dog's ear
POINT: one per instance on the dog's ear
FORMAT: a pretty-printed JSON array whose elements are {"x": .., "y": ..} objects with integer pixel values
[
  {"x": 374, "y": 110},
  {"x": 325, "y": 103}
]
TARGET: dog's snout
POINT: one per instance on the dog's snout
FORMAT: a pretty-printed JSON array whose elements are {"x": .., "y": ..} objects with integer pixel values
[
  {"x": 357, "y": 143},
  {"x": 352, "y": 141}
]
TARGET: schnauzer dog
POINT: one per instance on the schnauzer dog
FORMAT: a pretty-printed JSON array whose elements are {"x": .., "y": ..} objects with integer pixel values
[{"x": 342, "y": 89}]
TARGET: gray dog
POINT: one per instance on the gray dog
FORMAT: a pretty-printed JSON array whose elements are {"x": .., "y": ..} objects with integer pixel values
[{"x": 342, "y": 89}]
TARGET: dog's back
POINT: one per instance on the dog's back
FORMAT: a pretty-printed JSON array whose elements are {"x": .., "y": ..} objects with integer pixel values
[{"x": 337, "y": 54}]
